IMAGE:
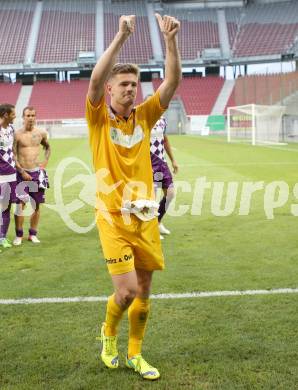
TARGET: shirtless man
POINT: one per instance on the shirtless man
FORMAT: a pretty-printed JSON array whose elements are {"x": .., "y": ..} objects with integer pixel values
[{"x": 31, "y": 175}]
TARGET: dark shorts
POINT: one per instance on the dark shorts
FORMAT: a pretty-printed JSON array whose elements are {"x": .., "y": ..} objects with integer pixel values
[
  {"x": 30, "y": 188},
  {"x": 8, "y": 193},
  {"x": 162, "y": 176}
]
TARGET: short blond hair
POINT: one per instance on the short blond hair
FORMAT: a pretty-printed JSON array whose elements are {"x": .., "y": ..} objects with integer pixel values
[
  {"x": 29, "y": 108},
  {"x": 124, "y": 68}
]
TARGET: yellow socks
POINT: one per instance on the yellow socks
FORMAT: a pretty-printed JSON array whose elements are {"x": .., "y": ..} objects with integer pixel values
[
  {"x": 113, "y": 316},
  {"x": 137, "y": 315}
]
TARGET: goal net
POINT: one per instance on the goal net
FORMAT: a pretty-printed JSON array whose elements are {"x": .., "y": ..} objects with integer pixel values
[{"x": 256, "y": 124}]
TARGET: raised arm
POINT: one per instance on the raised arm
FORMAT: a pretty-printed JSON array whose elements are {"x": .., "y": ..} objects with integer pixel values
[
  {"x": 104, "y": 65},
  {"x": 47, "y": 149},
  {"x": 170, "y": 26}
]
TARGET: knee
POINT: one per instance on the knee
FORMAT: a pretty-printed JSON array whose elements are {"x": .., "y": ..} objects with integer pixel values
[
  {"x": 36, "y": 207},
  {"x": 144, "y": 291},
  {"x": 124, "y": 297},
  {"x": 170, "y": 194},
  {"x": 19, "y": 210},
  {"x": 144, "y": 287}
]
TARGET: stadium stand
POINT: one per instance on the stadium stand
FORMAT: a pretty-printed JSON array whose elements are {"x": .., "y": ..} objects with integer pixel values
[
  {"x": 9, "y": 93},
  {"x": 266, "y": 29},
  {"x": 54, "y": 100},
  {"x": 198, "y": 94},
  {"x": 231, "y": 101},
  {"x": 59, "y": 100},
  {"x": 138, "y": 49},
  {"x": 263, "y": 89},
  {"x": 233, "y": 16},
  {"x": 67, "y": 27},
  {"x": 15, "y": 23},
  {"x": 199, "y": 30}
]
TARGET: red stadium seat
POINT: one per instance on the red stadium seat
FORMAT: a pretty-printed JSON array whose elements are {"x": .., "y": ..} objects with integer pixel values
[
  {"x": 65, "y": 100},
  {"x": 9, "y": 93},
  {"x": 198, "y": 94}
]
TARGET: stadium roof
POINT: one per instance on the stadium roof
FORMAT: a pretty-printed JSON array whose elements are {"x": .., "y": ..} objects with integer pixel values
[
  {"x": 203, "y": 2},
  {"x": 210, "y": 3}
]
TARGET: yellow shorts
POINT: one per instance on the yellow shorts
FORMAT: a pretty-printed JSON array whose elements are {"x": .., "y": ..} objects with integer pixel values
[{"x": 130, "y": 246}]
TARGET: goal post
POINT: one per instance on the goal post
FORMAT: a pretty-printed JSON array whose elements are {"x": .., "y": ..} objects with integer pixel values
[{"x": 255, "y": 124}]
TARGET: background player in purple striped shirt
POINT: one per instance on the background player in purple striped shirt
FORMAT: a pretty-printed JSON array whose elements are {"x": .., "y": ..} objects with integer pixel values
[
  {"x": 159, "y": 144},
  {"x": 7, "y": 170}
]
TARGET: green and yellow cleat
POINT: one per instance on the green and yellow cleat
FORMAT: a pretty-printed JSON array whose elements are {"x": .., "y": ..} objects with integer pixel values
[
  {"x": 109, "y": 353},
  {"x": 140, "y": 365}
]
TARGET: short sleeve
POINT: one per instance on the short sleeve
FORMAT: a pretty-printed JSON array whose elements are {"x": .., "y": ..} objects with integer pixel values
[
  {"x": 151, "y": 110},
  {"x": 95, "y": 115}
]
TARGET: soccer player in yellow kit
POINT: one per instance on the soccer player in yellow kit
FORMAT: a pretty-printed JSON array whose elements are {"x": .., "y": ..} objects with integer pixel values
[{"x": 120, "y": 142}]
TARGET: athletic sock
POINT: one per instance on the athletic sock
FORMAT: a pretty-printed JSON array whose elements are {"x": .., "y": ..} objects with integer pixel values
[
  {"x": 4, "y": 222},
  {"x": 113, "y": 316},
  {"x": 32, "y": 232},
  {"x": 19, "y": 233},
  {"x": 137, "y": 315}
]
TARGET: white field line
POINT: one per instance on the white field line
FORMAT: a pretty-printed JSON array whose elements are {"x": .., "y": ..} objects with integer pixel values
[
  {"x": 206, "y": 294},
  {"x": 284, "y": 149}
]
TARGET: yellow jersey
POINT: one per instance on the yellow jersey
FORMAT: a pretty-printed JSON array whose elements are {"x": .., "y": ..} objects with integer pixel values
[{"x": 121, "y": 152}]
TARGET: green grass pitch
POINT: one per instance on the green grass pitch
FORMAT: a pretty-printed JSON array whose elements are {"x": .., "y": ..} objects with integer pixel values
[{"x": 215, "y": 343}]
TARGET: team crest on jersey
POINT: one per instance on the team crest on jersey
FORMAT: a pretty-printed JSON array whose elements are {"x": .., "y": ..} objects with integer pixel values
[{"x": 126, "y": 140}]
